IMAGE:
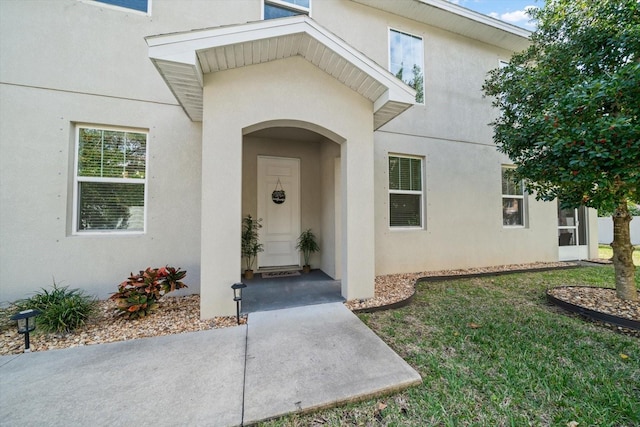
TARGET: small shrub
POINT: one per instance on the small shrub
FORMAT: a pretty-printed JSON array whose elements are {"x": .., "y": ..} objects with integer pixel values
[
  {"x": 62, "y": 309},
  {"x": 138, "y": 295}
]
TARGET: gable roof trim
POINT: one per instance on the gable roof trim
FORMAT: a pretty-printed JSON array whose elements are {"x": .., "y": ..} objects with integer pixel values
[
  {"x": 457, "y": 19},
  {"x": 183, "y": 58}
]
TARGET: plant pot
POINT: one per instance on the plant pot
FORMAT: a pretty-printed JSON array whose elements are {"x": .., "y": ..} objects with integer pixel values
[
  {"x": 306, "y": 268},
  {"x": 248, "y": 274}
]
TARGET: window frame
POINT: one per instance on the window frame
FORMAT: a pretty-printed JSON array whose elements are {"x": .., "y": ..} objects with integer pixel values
[
  {"x": 406, "y": 33},
  {"x": 75, "y": 217},
  {"x": 101, "y": 3},
  {"x": 420, "y": 193},
  {"x": 523, "y": 197},
  {"x": 283, "y": 4}
]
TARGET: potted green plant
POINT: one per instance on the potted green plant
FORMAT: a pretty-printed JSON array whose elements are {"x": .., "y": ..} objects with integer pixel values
[
  {"x": 307, "y": 245},
  {"x": 251, "y": 245}
]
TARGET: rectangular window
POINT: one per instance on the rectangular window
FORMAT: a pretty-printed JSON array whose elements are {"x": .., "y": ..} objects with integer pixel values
[
  {"x": 281, "y": 8},
  {"x": 405, "y": 192},
  {"x": 513, "y": 200},
  {"x": 140, "y": 5},
  {"x": 110, "y": 180},
  {"x": 406, "y": 60}
]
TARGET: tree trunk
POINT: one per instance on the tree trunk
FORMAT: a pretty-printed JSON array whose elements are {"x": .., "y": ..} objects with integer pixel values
[{"x": 623, "y": 254}]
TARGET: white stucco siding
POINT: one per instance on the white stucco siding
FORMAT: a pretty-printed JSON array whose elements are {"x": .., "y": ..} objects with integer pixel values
[
  {"x": 289, "y": 89},
  {"x": 86, "y": 46},
  {"x": 73, "y": 61},
  {"x": 36, "y": 185},
  {"x": 455, "y": 68},
  {"x": 463, "y": 211},
  {"x": 330, "y": 208}
]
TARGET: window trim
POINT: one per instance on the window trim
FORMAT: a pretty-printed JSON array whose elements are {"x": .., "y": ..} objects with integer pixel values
[
  {"x": 75, "y": 231},
  {"x": 420, "y": 193},
  {"x": 286, "y": 5},
  {"x": 523, "y": 197},
  {"x": 389, "y": 30},
  {"x": 120, "y": 8}
]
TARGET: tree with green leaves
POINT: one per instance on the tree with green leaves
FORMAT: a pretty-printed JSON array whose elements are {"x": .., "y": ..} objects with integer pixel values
[
  {"x": 570, "y": 113},
  {"x": 416, "y": 82}
]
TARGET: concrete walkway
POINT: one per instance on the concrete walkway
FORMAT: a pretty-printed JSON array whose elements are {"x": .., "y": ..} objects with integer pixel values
[{"x": 283, "y": 361}]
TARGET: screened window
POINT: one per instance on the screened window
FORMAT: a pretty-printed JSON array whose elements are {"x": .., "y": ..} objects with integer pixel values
[
  {"x": 405, "y": 191},
  {"x": 110, "y": 180},
  {"x": 406, "y": 60},
  {"x": 281, "y": 8},
  {"x": 513, "y": 200},
  {"x": 140, "y": 5}
]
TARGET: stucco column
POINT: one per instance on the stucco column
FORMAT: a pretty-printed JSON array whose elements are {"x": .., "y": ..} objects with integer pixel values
[
  {"x": 358, "y": 242},
  {"x": 221, "y": 214}
]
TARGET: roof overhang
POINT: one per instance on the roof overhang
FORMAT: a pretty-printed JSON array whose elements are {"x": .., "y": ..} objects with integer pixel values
[
  {"x": 183, "y": 58},
  {"x": 457, "y": 19}
]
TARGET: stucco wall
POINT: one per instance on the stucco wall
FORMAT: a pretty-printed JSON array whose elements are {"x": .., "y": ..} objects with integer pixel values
[
  {"x": 36, "y": 175},
  {"x": 286, "y": 91},
  {"x": 67, "y": 62},
  {"x": 462, "y": 199},
  {"x": 72, "y": 61}
]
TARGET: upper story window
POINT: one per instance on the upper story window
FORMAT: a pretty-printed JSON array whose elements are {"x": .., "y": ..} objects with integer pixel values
[
  {"x": 406, "y": 60},
  {"x": 281, "y": 8},
  {"x": 513, "y": 199},
  {"x": 405, "y": 191},
  {"x": 139, "y": 5},
  {"x": 110, "y": 180}
]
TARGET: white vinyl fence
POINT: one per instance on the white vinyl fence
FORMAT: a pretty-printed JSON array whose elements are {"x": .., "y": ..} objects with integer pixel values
[{"x": 605, "y": 230}]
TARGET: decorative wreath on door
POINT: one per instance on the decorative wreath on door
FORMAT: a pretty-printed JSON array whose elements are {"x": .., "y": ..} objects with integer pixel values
[{"x": 278, "y": 196}]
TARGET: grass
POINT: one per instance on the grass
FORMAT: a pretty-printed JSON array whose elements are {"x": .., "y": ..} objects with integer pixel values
[
  {"x": 606, "y": 252},
  {"x": 492, "y": 351}
]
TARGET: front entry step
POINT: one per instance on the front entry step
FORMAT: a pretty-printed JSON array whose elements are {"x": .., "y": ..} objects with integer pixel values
[{"x": 279, "y": 268}]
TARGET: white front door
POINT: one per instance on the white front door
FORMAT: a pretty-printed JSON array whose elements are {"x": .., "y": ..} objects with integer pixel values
[
  {"x": 280, "y": 218},
  {"x": 572, "y": 234}
]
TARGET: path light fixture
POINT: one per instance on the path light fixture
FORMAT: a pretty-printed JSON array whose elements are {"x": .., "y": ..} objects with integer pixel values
[
  {"x": 26, "y": 323},
  {"x": 237, "y": 297}
]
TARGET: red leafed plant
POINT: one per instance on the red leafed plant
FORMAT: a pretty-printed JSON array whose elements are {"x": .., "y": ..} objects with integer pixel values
[{"x": 138, "y": 295}]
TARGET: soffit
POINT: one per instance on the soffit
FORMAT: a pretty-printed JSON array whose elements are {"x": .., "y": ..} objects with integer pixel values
[
  {"x": 183, "y": 58},
  {"x": 456, "y": 19}
]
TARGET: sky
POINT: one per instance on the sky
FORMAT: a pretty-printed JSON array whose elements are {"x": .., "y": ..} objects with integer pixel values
[{"x": 511, "y": 11}]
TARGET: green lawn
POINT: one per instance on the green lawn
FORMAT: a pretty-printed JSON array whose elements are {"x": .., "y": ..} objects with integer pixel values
[
  {"x": 606, "y": 252},
  {"x": 492, "y": 352}
]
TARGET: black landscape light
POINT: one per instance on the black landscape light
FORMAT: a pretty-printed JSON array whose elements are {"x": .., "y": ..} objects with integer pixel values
[
  {"x": 26, "y": 323},
  {"x": 237, "y": 297}
]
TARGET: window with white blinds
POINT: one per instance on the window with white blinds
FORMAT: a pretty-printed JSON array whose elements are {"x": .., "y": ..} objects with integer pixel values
[
  {"x": 110, "y": 180},
  {"x": 405, "y": 192}
]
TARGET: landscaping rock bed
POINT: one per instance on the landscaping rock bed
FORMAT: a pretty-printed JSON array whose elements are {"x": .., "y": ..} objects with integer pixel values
[
  {"x": 175, "y": 315},
  {"x": 600, "y": 304},
  {"x": 182, "y": 314}
]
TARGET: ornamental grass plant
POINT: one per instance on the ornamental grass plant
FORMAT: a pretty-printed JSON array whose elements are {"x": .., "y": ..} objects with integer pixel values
[{"x": 62, "y": 309}]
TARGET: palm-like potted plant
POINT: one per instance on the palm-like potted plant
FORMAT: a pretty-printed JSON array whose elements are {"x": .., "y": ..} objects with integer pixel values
[
  {"x": 307, "y": 245},
  {"x": 251, "y": 245}
]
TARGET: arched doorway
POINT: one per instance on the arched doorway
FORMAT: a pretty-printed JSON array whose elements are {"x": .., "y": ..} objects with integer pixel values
[{"x": 289, "y": 155}]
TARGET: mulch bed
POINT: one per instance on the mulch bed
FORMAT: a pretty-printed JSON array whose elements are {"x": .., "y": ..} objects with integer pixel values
[{"x": 182, "y": 314}]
